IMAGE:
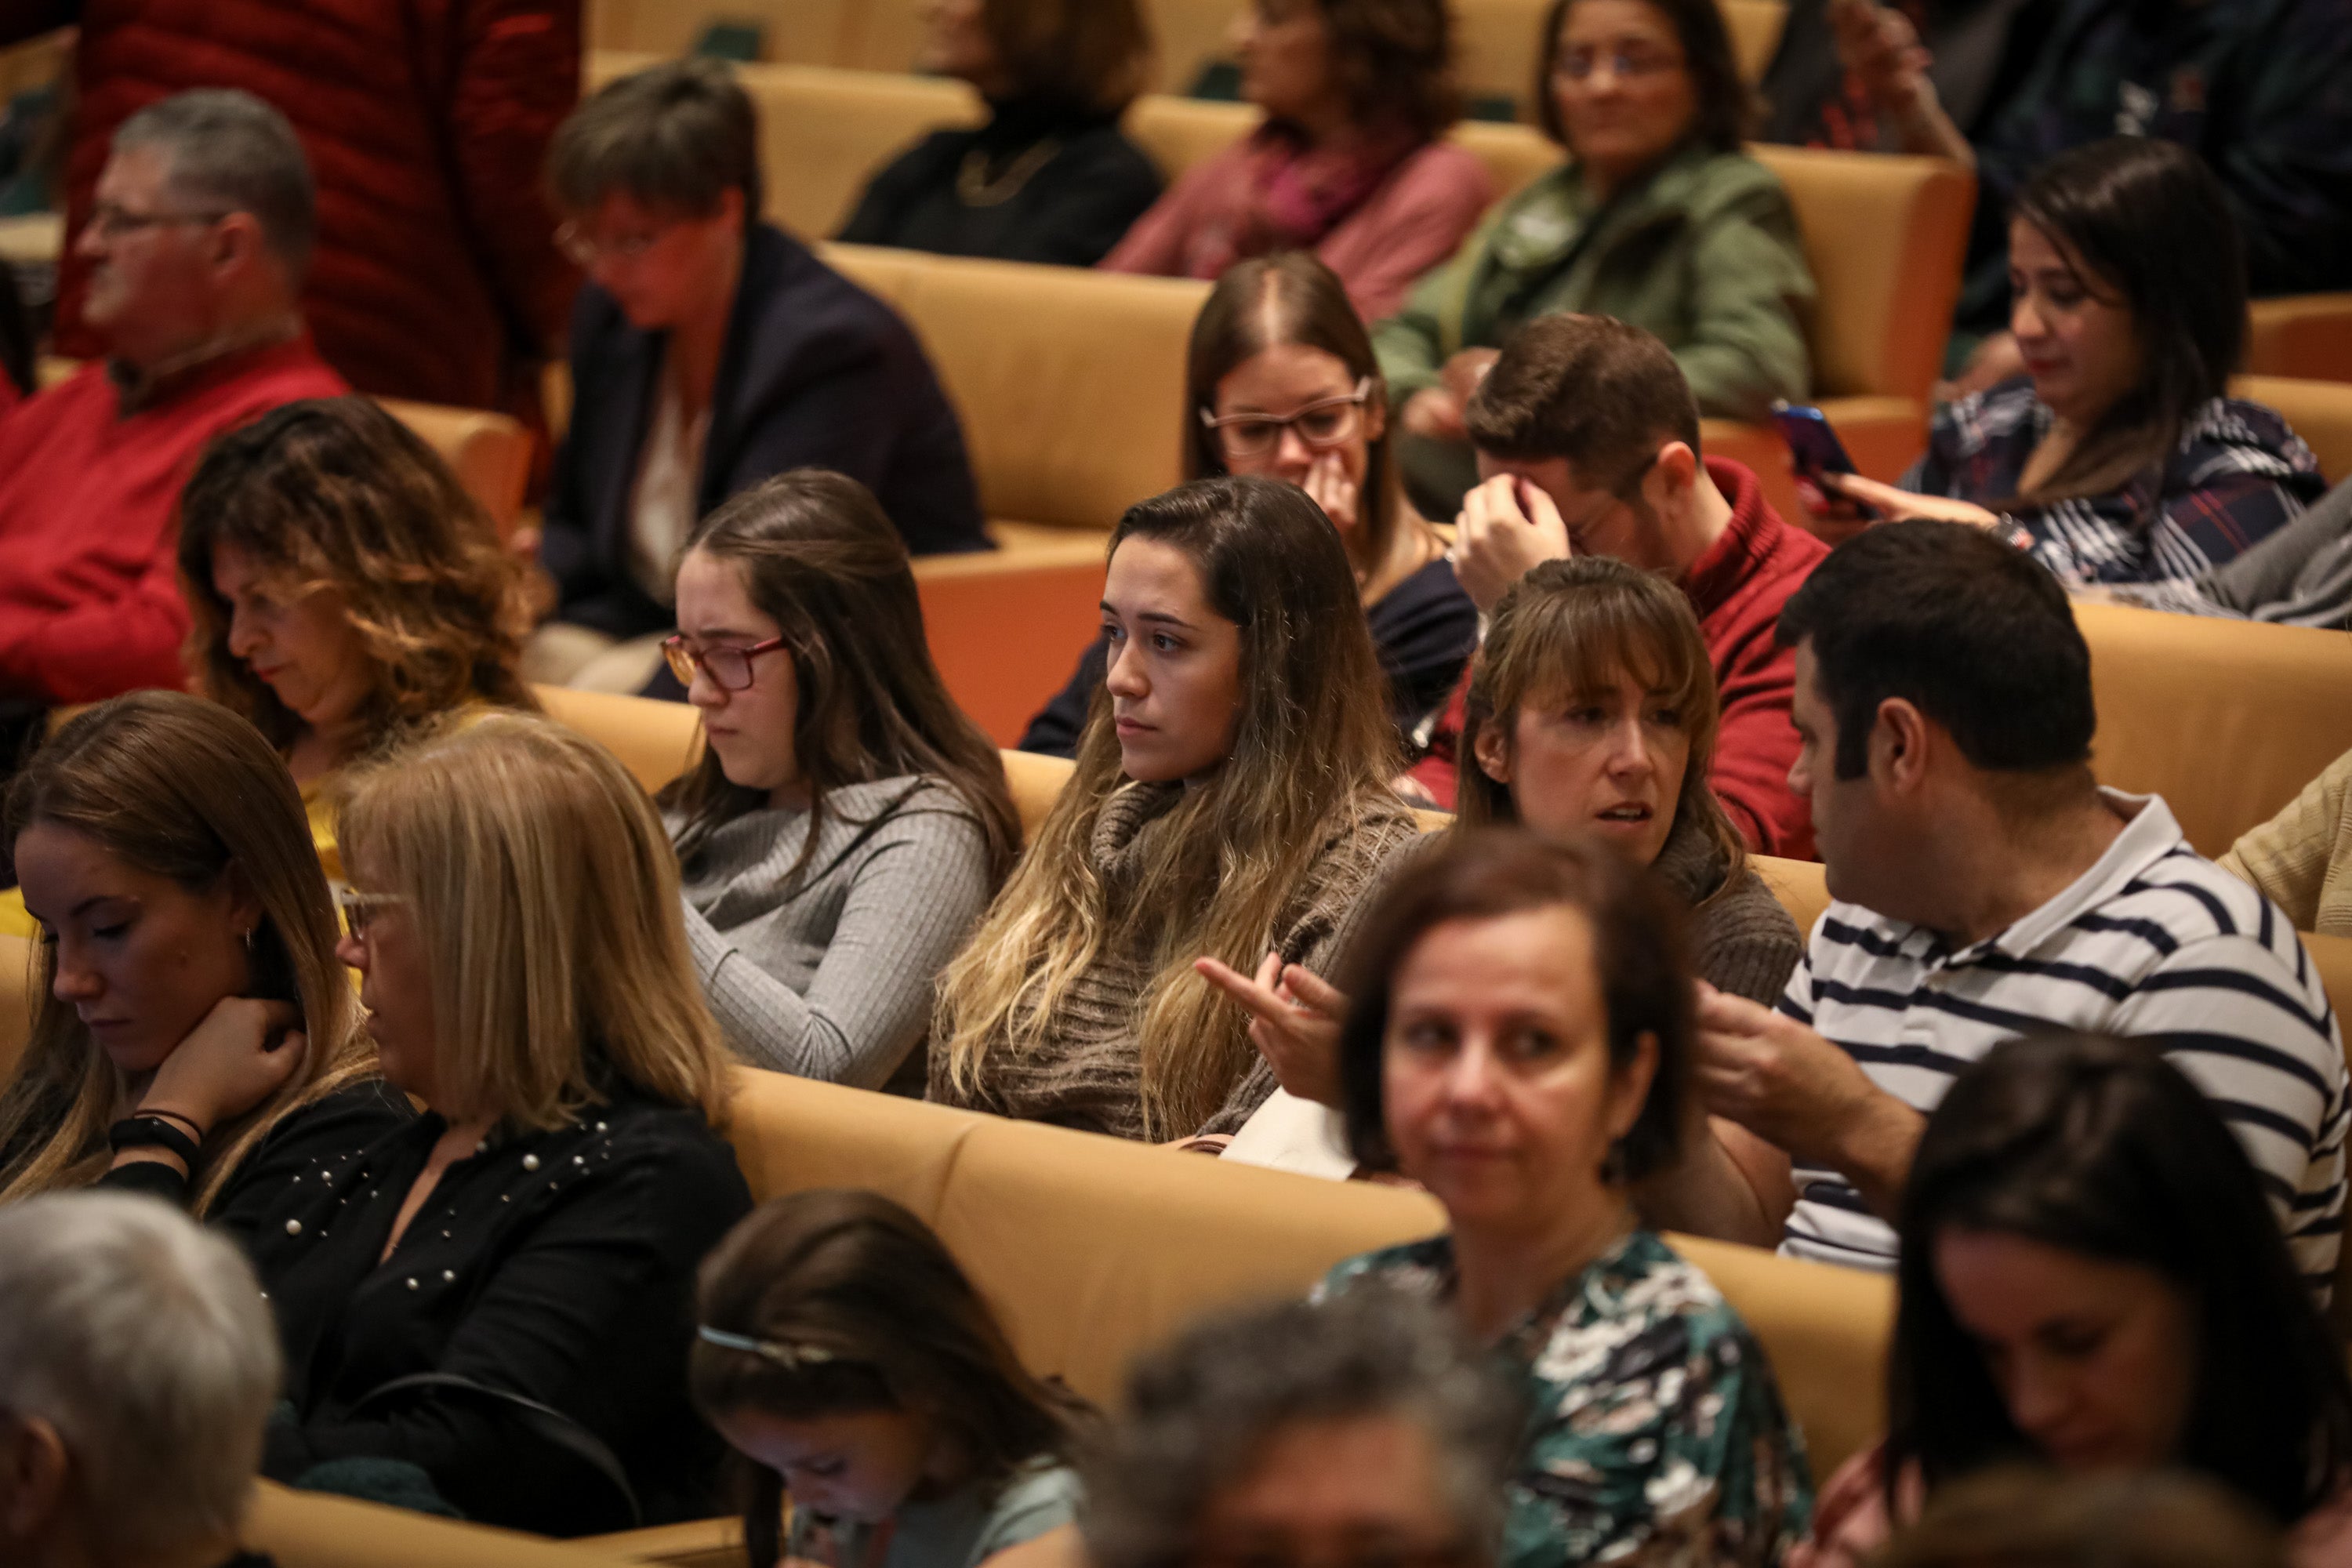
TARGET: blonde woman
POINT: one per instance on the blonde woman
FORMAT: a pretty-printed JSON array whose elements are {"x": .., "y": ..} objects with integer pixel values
[
  {"x": 1231, "y": 796},
  {"x": 492, "y": 1303},
  {"x": 194, "y": 1035}
]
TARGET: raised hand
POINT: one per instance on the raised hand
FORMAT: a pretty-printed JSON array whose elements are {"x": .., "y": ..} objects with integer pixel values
[{"x": 1295, "y": 1022}]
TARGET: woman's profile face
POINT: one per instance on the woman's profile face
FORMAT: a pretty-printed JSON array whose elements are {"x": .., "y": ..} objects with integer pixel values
[
  {"x": 301, "y": 646},
  {"x": 1284, "y": 48},
  {"x": 859, "y": 1466},
  {"x": 1609, "y": 762},
  {"x": 661, "y": 267},
  {"x": 959, "y": 45},
  {"x": 2095, "y": 1360},
  {"x": 139, "y": 958},
  {"x": 2074, "y": 330},
  {"x": 1621, "y": 85},
  {"x": 1501, "y": 1098},
  {"x": 1175, "y": 665},
  {"x": 386, "y": 946},
  {"x": 749, "y": 730},
  {"x": 1312, "y": 387}
]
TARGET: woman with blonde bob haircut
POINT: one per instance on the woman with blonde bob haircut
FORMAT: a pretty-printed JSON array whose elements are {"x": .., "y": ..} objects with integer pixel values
[
  {"x": 492, "y": 1301},
  {"x": 193, "y": 1030},
  {"x": 1230, "y": 797}
]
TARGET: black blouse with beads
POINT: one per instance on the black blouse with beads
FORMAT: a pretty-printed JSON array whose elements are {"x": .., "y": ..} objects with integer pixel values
[{"x": 553, "y": 1270}]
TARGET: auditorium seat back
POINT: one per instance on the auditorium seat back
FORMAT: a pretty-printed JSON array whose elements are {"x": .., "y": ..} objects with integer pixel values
[
  {"x": 490, "y": 452},
  {"x": 2304, "y": 335},
  {"x": 2320, "y": 411},
  {"x": 315, "y": 1530}
]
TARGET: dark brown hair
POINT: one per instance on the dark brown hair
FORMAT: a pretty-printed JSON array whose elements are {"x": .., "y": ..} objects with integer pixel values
[
  {"x": 818, "y": 557},
  {"x": 1264, "y": 302},
  {"x": 1638, "y": 948},
  {"x": 1592, "y": 389},
  {"x": 860, "y": 1307},
  {"x": 1093, "y": 55},
  {"x": 1723, "y": 106},
  {"x": 2146, "y": 220},
  {"x": 1394, "y": 60},
  {"x": 675, "y": 137},
  {"x": 1564, "y": 630},
  {"x": 2025, "y": 1517},
  {"x": 333, "y": 493}
]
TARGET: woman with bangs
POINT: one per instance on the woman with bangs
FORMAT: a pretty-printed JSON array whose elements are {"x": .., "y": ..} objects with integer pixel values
[
  {"x": 192, "y": 1033},
  {"x": 344, "y": 590},
  {"x": 1230, "y": 797},
  {"x": 1592, "y": 712},
  {"x": 484, "y": 1310},
  {"x": 1280, "y": 381}
]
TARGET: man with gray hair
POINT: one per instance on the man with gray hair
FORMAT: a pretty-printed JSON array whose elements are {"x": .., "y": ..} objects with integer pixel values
[
  {"x": 138, "y": 1364},
  {"x": 196, "y": 248},
  {"x": 1360, "y": 1430}
]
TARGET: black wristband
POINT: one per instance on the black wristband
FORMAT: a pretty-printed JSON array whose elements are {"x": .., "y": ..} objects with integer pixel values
[{"x": 152, "y": 1132}]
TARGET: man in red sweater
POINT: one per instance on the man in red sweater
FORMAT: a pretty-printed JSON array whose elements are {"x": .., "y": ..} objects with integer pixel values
[
  {"x": 1588, "y": 444},
  {"x": 196, "y": 246}
]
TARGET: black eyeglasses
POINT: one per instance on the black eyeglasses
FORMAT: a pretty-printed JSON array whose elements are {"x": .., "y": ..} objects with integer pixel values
[{"x": 730, "y": 668}]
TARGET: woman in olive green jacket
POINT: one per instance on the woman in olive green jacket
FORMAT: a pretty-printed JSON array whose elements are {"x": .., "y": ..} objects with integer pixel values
[{"x": 1657, "y": 218}]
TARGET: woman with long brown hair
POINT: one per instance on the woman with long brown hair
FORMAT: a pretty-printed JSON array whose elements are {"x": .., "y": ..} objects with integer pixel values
[
  {"x": 847, "y": 824},
  {"x": 1231, "y": 796},
  {"x": 843, "y": 1352},
  {"x": 1281, "y": 380},
  {"x": 192, "y": 1028},
  {"x": 344, "y": 591}
]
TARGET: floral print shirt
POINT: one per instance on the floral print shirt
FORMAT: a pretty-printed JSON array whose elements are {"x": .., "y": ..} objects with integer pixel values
[{"x": 1655, "y": 1431}]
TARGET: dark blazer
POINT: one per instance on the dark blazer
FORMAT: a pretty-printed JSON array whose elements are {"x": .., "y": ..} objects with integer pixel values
[{"x": 817, "y": 373}]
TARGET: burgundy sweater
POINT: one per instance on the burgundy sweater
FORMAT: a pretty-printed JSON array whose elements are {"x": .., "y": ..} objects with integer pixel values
[{"x": 1738, "y": 587}]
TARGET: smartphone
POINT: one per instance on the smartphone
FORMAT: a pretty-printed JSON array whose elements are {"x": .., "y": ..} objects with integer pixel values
[{"x": 1814, "y": 446}]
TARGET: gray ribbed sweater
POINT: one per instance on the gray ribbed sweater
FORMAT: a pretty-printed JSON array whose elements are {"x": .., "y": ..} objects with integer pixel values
[{"x": 829, "y": 974}]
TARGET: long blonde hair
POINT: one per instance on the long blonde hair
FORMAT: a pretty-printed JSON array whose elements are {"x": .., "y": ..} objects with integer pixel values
[
  {"x": 176, "y": 787},
  {"x": 1313, "y": 753},
  {"x": 1570, "y": 628},
  {"x": 546, "y": 896}
]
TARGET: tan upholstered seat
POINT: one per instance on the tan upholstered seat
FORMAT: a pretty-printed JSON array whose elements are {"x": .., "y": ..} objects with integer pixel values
[
  {"x": 2320, "y": 411},
  {"x": 488, "y": 451},
  {"x": 2305, "y": 335}
]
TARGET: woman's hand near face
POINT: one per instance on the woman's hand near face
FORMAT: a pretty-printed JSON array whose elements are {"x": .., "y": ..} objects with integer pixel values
[
  {"x": 1295, "y": 1022},
  {"x": 1329, "y": 486},
  {"x": 1898, "y": 505},
  {"x": 243, "y": 1052}
]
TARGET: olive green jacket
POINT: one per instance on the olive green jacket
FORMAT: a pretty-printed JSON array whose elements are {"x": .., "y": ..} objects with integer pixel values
[{"x": 1704, "y": 254}]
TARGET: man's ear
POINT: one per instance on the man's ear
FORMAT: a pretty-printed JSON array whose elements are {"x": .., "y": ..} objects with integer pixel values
[
  {"x": 1899, "y": 743},
  {"x": 1675, "y": 472},
  {"x": 1492, "y": 748},
  {"x": 236, "y": 239},
  {"x": 34, "y": 1468}
]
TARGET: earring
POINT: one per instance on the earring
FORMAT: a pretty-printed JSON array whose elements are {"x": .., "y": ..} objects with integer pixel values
[{"x": 247, "y": 934}]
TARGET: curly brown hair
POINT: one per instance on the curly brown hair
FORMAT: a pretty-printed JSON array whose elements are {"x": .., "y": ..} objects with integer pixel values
[
  {"x": 335, "y": 493},
  {"x": 1395, "y": 60}
]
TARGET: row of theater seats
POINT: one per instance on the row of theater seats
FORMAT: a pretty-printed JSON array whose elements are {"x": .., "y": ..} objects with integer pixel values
[
  {"x": 1492, "y": 38},
  {"x": 1092, "y": 1250}
]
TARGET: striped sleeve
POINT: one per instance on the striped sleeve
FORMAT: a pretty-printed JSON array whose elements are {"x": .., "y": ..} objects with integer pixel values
[{"x": 1797, "y": 997}]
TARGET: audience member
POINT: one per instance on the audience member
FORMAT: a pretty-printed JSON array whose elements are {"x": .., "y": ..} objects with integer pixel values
[
  {"x": 1657, "y": 218},
  {"x": 1985, "y": 885},
  {"x": 1050, "y": 177},
  {"x": 514, "y": 920},
  {"x": 1589, "y": 419},
  {"x": 196, "y": 248},
  {"x": 1348, "y": 163},
  {"x": 2118, "y": 456},
  {"x": 346, "y": 592},
  {"x": 436, "y": 275},
  {"x": 845, "y": 1355},
  {"x": 2250, "y": 88},
  {"x": 1593, "y": 711},
  {"x": 189, "y": 1013},
  {"x": 1855, "y": 75},
  {"x": 2301, "y": 859},
  {"x": 1359, "y": 1431},
  {"x": 2089, "y": 1281},
  {"x": 1232, "y": 796},
  {"x": 137, "y": 1368},
  {"x": 710, "y": 350},
  {"x": 845, "y": 825},
  {"x": 1520, "y": 1045},
  {"x": 1281, "y": 380},
  {"x": 2022, "y": 1517}
]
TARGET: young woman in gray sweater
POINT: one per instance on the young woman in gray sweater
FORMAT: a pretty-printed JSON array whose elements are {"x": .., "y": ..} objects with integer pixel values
[{"x": 847, "y": 824}]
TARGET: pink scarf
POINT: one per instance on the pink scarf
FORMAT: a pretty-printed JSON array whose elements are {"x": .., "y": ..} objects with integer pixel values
[{"x": 1290, "y": 197}]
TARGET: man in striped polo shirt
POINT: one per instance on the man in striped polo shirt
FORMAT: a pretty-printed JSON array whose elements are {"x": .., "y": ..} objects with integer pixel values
[{"x": 1986, "y": 886}]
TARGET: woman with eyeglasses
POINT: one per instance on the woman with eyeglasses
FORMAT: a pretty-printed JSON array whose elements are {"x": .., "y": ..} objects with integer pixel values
[
  {"x": 194, "y": 1035},
  {"x": 847, "y": 824},
  {"x": 1657, "y": 219},
  {"x": 709, "y": 351},
  {"x": 1281, "y": 382}
]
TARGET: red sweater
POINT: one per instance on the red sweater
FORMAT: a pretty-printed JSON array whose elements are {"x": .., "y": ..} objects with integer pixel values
[
  {"x": 89, "y": 600},
  {"x": 1738, "y": 588}
]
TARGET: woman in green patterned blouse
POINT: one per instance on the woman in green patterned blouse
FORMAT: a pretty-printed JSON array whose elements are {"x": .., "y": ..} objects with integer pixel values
[{"x": 1520, "y": 1045}]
